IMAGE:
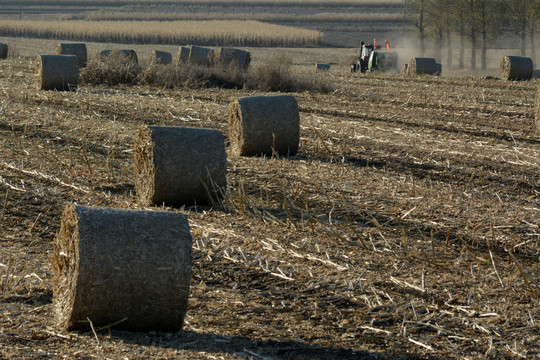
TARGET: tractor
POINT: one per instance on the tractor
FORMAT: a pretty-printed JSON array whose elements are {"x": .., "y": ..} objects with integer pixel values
[{"x": 372, "y": 59}]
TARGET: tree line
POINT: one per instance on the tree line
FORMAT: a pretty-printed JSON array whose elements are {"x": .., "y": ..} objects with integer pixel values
[{"x": 479, "y": 23}]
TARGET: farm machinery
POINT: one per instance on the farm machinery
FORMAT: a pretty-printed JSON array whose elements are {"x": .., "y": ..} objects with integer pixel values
[{"x": 372, "y": 58}]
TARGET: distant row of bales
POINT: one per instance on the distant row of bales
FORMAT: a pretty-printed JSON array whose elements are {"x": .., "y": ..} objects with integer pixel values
[{"x": 60, "y": 71}]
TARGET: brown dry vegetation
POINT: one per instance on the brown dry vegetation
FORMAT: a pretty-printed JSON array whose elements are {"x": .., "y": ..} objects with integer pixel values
[{"x": 406, "y": 227}]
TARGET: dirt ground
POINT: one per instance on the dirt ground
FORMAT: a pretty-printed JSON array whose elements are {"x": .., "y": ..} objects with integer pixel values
[{"x": 406, "y": 227}]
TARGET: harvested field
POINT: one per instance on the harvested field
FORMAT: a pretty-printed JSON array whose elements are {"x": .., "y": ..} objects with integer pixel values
[{"x": 407, "y": 226}]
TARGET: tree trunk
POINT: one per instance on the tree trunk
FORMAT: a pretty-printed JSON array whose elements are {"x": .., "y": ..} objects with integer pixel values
[
  {"x": 484, "y": 37},
  {"x": 449, "y": 46},
  {"x": 523, "y": 36},
  {"x": 422, "y": 30},
  {"x": 533, "y": 46},
  {"x": 461, "y": 41},
  {"x": 438, "y": 46}
]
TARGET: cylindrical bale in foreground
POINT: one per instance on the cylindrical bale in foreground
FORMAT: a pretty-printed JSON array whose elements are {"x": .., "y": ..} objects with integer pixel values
[
  {"x": 322, "y": 67},
  {"x": 126, "y": 54},
  {"x": 126, "y": 266},
  {"x": 418, "y": 66},
  {"x": 79, "y": 50},
  {"x": 240, "y": 58},
  {"x": 183, "y": 54},
  {"x": 57, "y": 72},
  {"x": 405, "y": 69},
  {"x": 516, "y": 68},
  {"x": 201, "y": 55},
  {"x": 180, "y": 166},
  {"x": 3, "y": 51},
  {"x": 264, "y": 125},
  {"x": 160, "y": 57}
]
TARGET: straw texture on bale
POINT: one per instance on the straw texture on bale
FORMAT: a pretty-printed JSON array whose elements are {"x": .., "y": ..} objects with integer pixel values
[
  {"x": 418, "y": 66},
  {"x": 228, "y": 56},
  {"x": 57, "y": 72},
  {"x": 160, "y": 57},
  {"x": 180, "y": 166},
  {"x": 113, "y": 264},
  {"x": 3, "y": 51},
  {"x": 130, "y": 55},
  {"x": 183, "y": 54},
  {"x": 405, "y": 69},
  {"x": 322, "y": 67},
  {"x": 516, "y": 68},
  {"x": 200, "y": 55},
  {"x": 264, "y": 125},
  {"x": 79, "y": 50}
]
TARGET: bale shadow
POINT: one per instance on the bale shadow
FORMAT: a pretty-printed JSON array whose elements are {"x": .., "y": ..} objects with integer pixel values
[{"x": 245, "y": 347}]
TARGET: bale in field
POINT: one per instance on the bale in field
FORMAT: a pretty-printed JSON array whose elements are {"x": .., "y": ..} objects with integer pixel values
[
  {"x": 322, "y": 67},
  {"x": 3, "y": 51},
  {"x": 264, "y": 125},
  {"x": 201, "y": 55},
  {"x": 418, "y": 66},
  {"x": 228, "y": 56},
  {"x": 179, "y": 165},
  {"x": 183, "y": 54},
  {"x": 516, "y": 68},
  {"x": 160, "y": 57},
  {"x": 79, "y": 50},
  {"x": 57, "y": 72},
  {"x": 126, "y": 266},
  {"x": 129, "y": 55},
  {"x": 438, "y": 70},
  {"x": 536, "y": 74},
  {"x": 405, "y": 69}
]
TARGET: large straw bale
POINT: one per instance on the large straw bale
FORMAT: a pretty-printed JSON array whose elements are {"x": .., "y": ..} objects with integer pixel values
[
  {"x": 3, "y": 51},
  {"x": 180, "y": 166},
  {"x": 129, "y": 55},
  {"x": 516, "y": 68},
  {"x": 183, "y": 54},
  {"x": 264, "y": 125},
  {"x": 77, "y": 49},
  {"x": 322, "y": 67},
  {"x": 113, "y": 264},
  {"x": 227, "y": 56},
  {"x": 57, "y": 72},
  {"x": 201, "y": 55},
  {"x": 418, "y": 66},
  {"x": 160, "y": 57}
]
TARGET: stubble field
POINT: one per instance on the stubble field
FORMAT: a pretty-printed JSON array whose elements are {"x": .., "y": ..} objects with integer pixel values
[{"x": 406, "y": 227}]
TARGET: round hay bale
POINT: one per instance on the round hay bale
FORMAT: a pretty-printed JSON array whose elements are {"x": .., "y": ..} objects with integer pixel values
[
  {"x": 57, "y": 72},
  {"x": 180, "y": 166},
  {"x": 79, "y": 50},
  {"x": 536, "y": 74},
  {"x": 3, "y": 51},
  {"x": 405, "y": 69},
  {"x": 516, "y": 68},
  {"x": 322, "y": 67},
  {"x": 418, "y": 66},
  {"x": 438, "y": 69},
  {"x": 240, "y": 58},
  {"x": 264, "y": 125},
  {"x": 113, "y": 264},
  {"x": 160, "y": 57},
  {"x": 126, "y": 54},
  {"x": 183, "y": 54},
  {"x": 201, "y": 55}
]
